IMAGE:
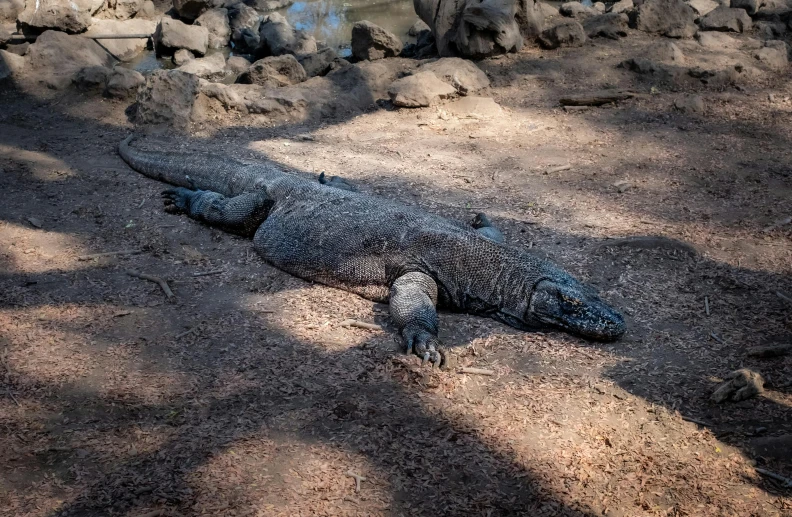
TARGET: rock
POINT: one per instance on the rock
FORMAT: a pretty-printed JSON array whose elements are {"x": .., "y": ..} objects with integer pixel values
[
  {"x": 11, "y": 9},
  {"x": 703, "y": 7},
  {"x": 216, "y": 22},
  {"x": 740, "y": 385},
  {"x": 68, "y": 16},
  {"x": 423, "y": 47},
  {"x": 717, "y": 40},
  {"x": 237, "y": 64},
  {"x": 318, "y": 63},
  {"x": 622, "y": 6},
  {"x": 167, "y": 98},
  {"x": 565, "y": 34},
  {"x": 611, "y": 25},
  {"x": 271, "y": 101},
  {"x": 191, "y": 9},
  {"x": 278, "y": 37},
  {"x": 269, "y": 5},
  {"x": 531, "y": 21},
  {"x": 147, "y": 12},
  {"x": 211, "y": 68},
  {"x": 666, "y": 51},
  {"x": 548, "y": 11},
  {"x": 726, "y": 19},
  {"x": 172, "y": 35},
  {"x": 181, "y": 56},
  {"x": 124, "y": 82},
  {"x": 576, "y": 10},
  {"x": 241, "y": 16},
  {"x": 672, "y": 18},
  {"x": 460, "y": 73},
  {"x": 474, "y": 107},
  {"x": 690, "y": 104},
  {"x": 417, "y": 28},
  {"x": 5, "y": 36},
  {"x": 226, "y": 94},
  {"x": 56, "y": 57},
  {"x": 246, "y": 41},
  {"x": 274, "y": 71},
  {"x": 600, "y": 7},
  {"x": 123, "y": 49},
  {"x": 770, "y": 30},
  {"x": 774, "y": 56},
  {"x": 19, "y": 49},
  {"x": 11, "y": 65},
  {"x": 419, "y": 89},
  {"x": 370, "y": 42},
  {"x": 750, "y": 6},
  {"x": 124, "y": 9},
  {"x": 92, "y": 78}
]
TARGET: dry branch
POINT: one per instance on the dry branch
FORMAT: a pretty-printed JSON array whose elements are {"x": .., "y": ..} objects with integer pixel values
[
  {"x": 360, "y": 324},
  {"x": 207, "y": 273},
  {"x": 559, "y": 168},
  {"x": 595, "y": 99},
  {"x": 109, "y": 254},
  {"x": 787, "y": 482},
  {"x": 358, "y": 479},
  {"x": 157, "y": 280},
  {"x": 477, "y": 371}
]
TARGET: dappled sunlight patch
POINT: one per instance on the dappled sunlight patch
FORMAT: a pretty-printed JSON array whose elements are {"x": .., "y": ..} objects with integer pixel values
[
  {"x": 27, "y": 249},
  {"x": 40, "y": 166}
]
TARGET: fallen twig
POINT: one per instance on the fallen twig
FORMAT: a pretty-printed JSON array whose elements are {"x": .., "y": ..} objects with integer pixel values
[
  {"x": 358, "y": 479},
  {"x": 142, "y": 203},
  {"x": 188, "y": 331},
  {"x": 695, "y": 421},
  {"x": 157, "y": 280},
  {"x": 477, "y": 371},
  {"x": 717, "y": 338},
  {"x": 559, "y": 168},
  {"x": 706, "y": 305},
  {"x": 109, "y": 254},
  {"x": 360, "y": 324},
  {"x": 595, "y": 99},
  {"x": 783, "y": 296},
  {"x": 787, "y": 482},
  {"x": 207, "y": 273},
  {"x": 648, "y": 242},
  {"x": 12, "y": 397},
  {"x": 770, "y": 350}
]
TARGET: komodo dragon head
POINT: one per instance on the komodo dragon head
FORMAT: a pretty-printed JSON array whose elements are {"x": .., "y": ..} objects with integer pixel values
[{"x": 571, "y": 306}]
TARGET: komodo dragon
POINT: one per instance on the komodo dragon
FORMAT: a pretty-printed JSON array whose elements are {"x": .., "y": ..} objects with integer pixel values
[{"x": 379, "y": 249}]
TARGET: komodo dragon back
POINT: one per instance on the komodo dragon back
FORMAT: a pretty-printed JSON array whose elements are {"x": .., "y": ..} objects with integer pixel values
[{"x": 380, "y": 249}]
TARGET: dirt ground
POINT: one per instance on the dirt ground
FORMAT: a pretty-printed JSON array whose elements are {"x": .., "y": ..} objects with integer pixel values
[{"x": 244, "y": 395}]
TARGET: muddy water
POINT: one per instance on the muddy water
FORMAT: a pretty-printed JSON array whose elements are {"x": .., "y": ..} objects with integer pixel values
[{"x": 330, "y": 21}]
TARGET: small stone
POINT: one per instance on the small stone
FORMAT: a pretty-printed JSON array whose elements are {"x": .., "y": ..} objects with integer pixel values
[
  {"x": 237, "y": 65},
  {"x": 565, "y": 34},
  {"x": 147, "y": 11},
  {"x": 726, "y": 19},
  {"x": 216, "y": 22},
  {"x": 703, "y": 7},
  {"x": 34, "y": 222},
  {"x": 370, "y": 42},
  {"x": 576, "y": 10},
  {"x": 181, "y": 56},
  {"x": 690, "y": 104},
  {"x": 611, "y": 25},
  {"x": 92, "y": 78},
  {"x": 191, "y": 9},
  {"x": 548, "y": 11},
  {"x": 124, "y": 82},
  {"x": 666, "y": 51},
  {"x": 599, "y": 7},
  {"x": 740, "y": 385},
  {"x": 774, "y": 56},
  {"x": 318, "y": 63},
  {"x": 418, "y": 90},
  {"x": 211, "y": 68},
  {"x": 717, "y": 40},
  {"x": 622, "y": 6},
  {"x": 417, "y": 28},
  {"x": 172, "y": 35},
  {"x": 460, "y": 73},
  {"x": 125, "y": 9},
  {"x": 274, "y": 71}
]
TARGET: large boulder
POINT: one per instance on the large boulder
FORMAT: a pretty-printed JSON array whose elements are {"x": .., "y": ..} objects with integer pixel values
[
  {"x": 370, "y": 42},
  {"x": 56, "y": 57},
  {"x": 274, "y": 71},
  {"x": 70, "y": 16},
  {"x": 241, "y": 16},
  {"x": 123, "y": 82},
  {"x": 672, "y": 18},
  {"x": 610, "y": 25},
  {"x": 11, "y": 65},
  {"x": 191, "y": 9},
  {"x": 122, "y": 49},
  {"x": 278, "y": 37},
  {"x": 622, "y": 6},
  {"x": 167, "y": 98},
  {"x": 318, "y": 63},
  {"x": 124, "y": 9},
  {"x": 216, "y": 22},
  {"x": 172, "y": 35},
  {"x": 460, "y": 73},
  {"x": 419, "y": 89},
  {"x": 10, "y": 10},
  {"x": 211, "y": 68},
  {"x": 726, "y": 19},
  {"x": 565, "y": 34}
]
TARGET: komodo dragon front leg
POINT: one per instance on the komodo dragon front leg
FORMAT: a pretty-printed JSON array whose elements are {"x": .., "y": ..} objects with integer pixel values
[
  {"x": 413, "y": 297},
  {"x": 241, "y": 214}
]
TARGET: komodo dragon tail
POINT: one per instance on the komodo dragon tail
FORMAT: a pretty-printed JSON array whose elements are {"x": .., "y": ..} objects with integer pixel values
[{"x": 197, "y": 170}]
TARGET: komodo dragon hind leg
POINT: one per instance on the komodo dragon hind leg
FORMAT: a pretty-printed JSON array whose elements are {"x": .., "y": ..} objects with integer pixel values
[
  {"x": 485, "y": 227},
  {"x": 241, "y": 214},
  {"x": 337, "y": 182},
  {"x": 413, "y": 297}
]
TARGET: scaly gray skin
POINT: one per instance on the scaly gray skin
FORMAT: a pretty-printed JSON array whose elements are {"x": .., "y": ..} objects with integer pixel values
[{"x": 378, "y": 249}]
